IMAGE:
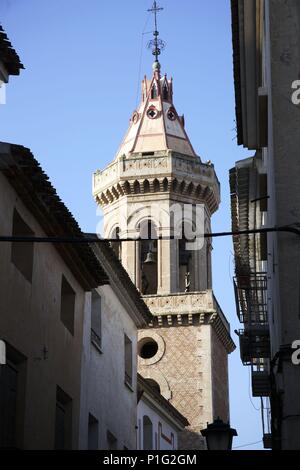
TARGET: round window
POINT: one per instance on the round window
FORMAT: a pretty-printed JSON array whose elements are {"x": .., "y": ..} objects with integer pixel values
[
  {"x": 147, "y": 348},
  {"x": 135, "y": 117},
  {"x": 171, "y": 114},
  {"x": 152, "y": 112}
]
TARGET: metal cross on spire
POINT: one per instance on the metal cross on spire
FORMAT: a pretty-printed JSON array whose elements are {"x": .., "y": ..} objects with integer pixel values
[{"x": 157, "y": 45}]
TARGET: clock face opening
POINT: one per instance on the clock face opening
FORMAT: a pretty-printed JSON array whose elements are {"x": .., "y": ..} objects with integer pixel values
[
  {"x": 152, "y": 112},
  {"x": 171, "y": 114}
]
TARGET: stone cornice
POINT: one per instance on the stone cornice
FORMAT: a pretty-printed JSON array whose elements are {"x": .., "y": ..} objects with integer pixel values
[
  {"x": 193, "y": 319},
  {"x": 162, "y": 172},
  {"x": 187, "y": 309}
]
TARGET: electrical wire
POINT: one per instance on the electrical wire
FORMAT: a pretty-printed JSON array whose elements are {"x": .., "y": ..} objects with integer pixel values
[
  {"x": 141, "y": 58},
  {"x": 94, "y": 238},
  {"x": 249, "y": 391},
  {"x": 247, "y": 445}
]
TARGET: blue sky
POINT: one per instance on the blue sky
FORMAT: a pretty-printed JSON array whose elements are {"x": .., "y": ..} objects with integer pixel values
[{"x": 72, "y": 104}]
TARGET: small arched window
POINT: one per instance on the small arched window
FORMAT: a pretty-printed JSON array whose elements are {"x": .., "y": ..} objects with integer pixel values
[
  {"x": 146, "y": 186},
  {"x": 165, "y": 92},
  {"x": 147, "y": 433},
  {"x": 165, "y": 184},
  {"x": 136, "y": 187},
  {"x": 156, "y": 185},
  {"x": 154, "y": 92}
]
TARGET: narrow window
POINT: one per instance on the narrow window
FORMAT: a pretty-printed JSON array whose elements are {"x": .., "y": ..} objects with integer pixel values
[
  {"x": 263, "y": 192},
  {"x": 22, "y": 252},
  {"x": 63, "y": 420},
  {"x": 165, "y": 92},
  {"x": 67, "y": 311},
  {"x": 112, "y": 443},
  {"x": 128, "y": 360},
  {"x": 96, "y": 319},
  {"x": 147, "y": 433},
  {"x": 93, "y": 433},
  {"x": 263, "y": 247},
  {"x": 154, "y": 92}
]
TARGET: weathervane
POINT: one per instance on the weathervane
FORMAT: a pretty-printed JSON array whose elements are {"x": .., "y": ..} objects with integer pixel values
[{"x": 157, "y": 45}]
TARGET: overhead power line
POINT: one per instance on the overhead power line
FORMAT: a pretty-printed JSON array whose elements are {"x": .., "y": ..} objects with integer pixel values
[
  {"x": 247, "y": 445},
  {"x": 94, "y": 238}
]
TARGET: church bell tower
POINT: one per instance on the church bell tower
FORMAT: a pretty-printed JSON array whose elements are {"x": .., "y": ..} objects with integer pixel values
[{"x": 159, "y": 196}]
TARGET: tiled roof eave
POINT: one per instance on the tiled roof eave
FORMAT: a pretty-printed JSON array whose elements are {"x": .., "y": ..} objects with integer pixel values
[
  {"x": 8, "y": 55},
  {"x": 236, "y": 69},
  {"x": 32, "y": 184}
]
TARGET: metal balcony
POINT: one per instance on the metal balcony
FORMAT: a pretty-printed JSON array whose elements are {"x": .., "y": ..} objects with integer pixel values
[
  {"x": 254, "y": 344},
  {"x": 260, "y": 384},
  {"x": 260, "y": 378},
  {"x": 251, "y": 299}
]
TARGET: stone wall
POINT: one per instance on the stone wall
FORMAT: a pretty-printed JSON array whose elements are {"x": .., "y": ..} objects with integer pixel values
[
  {"x": 183, "y": 370},
  {"x": 30, "y": 324},
  {"x": 219, "y": 368},
  {"x": 104, "y": 393}
]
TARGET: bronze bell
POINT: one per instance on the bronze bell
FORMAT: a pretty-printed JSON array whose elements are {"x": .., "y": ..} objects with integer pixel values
[{"x": 150, "y": 258}]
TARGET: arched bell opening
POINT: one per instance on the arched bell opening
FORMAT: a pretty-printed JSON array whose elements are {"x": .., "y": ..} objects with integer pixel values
[
  {"x": 148, "y": 256},
  {"x": 187, "y": 260}
]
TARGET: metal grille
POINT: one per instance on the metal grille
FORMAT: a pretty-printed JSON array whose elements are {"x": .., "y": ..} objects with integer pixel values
[
  {"x": 254, "y": 345},
  {"x": 251, "y": 299}
]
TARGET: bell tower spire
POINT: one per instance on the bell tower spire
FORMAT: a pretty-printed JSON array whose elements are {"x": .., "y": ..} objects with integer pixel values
[
  {"x": 157, "y": 196},
  {"x": 157, "y": 45}
]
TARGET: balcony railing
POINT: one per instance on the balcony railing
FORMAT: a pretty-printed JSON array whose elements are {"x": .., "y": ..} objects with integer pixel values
[
  {"x": 254, "y": 344},
  {"x": 260, "y": 378},
  {"x": 251, "y": 299}
]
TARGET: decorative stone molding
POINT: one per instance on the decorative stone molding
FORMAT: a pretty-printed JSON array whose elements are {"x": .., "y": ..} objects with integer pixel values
[
  {"x": 194, "y": 308},
  {"x": 143, "y": 335},
  {"x": 133, "y": 166},
  {"x": 163, "y": 172},
  {"x": 182, "y": 303},
  {"x": 222, "y": 333}
]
